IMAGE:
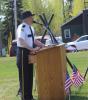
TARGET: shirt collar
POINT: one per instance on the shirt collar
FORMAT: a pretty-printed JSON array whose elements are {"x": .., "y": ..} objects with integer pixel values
[{"x": 26, "y": 24}]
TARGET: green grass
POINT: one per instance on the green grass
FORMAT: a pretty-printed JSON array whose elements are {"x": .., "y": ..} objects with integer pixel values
[
  {"x": 80, "y": 59},
  {"x": 9, "y": 77}
]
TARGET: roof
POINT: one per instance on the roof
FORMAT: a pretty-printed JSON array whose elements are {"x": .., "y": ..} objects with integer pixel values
[{"x": 80, "y": 14}]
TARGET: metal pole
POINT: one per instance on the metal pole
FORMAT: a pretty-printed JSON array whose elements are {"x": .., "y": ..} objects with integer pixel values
[
  {"x": 15, "y": 16},
  {"x": 22, "y": 97}
]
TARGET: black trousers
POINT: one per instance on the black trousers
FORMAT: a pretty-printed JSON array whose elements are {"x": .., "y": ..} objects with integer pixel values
[{"x": 25, "y": 73}]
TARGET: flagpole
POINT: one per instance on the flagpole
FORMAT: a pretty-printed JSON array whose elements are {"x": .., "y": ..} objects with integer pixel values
[
  {"x": 86, "y": 73},
  {"x": 69, "y": 97},
  {"x": 68, "y": 61},
  {"x": 15, "y": 16}
]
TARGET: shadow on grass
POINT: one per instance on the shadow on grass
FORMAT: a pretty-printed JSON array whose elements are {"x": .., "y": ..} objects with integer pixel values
[{"x": 77, "y": 98}]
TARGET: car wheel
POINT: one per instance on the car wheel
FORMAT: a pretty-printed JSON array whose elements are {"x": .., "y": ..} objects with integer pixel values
[{"x": 75, "y": 48}]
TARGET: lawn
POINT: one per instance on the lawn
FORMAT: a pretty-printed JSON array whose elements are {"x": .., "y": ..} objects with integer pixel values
[
  {"x": 9, "y": 77},
  {"x": 80, "y": 59}
]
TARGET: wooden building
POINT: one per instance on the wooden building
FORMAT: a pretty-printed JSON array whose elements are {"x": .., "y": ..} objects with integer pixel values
[{"x": 76, "y": 27}]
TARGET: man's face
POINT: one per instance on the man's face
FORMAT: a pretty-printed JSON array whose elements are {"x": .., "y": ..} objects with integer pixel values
[{"x": 30, "y": 20}]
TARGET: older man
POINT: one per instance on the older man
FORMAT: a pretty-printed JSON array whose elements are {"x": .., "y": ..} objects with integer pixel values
[{"x": 25, "y": 46}]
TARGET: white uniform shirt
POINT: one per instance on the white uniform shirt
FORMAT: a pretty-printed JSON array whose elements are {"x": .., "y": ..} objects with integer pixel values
[{"x": 24, "y": 33}]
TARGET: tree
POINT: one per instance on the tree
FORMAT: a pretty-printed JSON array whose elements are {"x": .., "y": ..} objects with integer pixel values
[
  {"x": 67, "y": 11},
  {"x": 78, "y": 6},
  {"x": 4, "y": 23},
  {"x": 85, "y": 4},
  {"x": 8, "y": 23},
  {"x": 37, "y": 7},
  {"x": 56, "y": 7},
  {"x": 48, "y": 7}
]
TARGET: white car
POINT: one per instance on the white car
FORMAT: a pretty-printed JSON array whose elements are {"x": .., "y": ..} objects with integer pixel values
[
  {"x": 49, "y": 41},
  {"x": 79, "y": 44}
]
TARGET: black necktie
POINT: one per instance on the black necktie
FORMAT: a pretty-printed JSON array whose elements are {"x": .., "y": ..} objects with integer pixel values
[{"x": 32, "y": 36}]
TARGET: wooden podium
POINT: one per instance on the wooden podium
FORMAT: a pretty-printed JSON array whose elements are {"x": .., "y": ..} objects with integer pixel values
[{"x": 50, "y": 70}]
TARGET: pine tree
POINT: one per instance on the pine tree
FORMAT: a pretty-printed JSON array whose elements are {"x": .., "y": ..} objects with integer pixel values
[{"x": 8, "y": 23}]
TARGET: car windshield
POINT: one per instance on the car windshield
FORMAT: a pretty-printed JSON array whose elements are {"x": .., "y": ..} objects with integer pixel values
[{"x": 82, "y": 39}]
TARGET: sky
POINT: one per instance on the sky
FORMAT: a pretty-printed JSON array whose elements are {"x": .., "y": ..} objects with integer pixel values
[
  {"x": 2, "y": 17},
  {"x": 65, "y": 0}
]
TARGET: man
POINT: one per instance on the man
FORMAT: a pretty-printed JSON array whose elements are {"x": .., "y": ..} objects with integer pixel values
[{"x": 25, "y": 46}]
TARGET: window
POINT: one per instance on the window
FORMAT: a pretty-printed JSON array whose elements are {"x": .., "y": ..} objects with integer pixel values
[
  {"x": 82, "y": 39},
  {"x": 87, "y": 37},
  {"x": 67, "y": 33}
]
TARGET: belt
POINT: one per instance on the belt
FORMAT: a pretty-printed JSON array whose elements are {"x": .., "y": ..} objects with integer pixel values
[{"x": 24, "y": 49}]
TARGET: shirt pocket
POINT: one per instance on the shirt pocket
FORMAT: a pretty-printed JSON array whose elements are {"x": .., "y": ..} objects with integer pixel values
[{"x": 29, "y": 35}]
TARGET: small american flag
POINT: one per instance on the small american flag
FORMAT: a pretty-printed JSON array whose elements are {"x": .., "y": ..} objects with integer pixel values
[
  {"x": 68, "y": 82},
  {"x": 77, "y": 78}
]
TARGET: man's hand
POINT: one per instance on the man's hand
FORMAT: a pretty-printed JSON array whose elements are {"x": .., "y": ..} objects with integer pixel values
[
  {"x": 42, "y": 45},
  {"x": 34, "y": 50},
  {"x": 39, "y": 44}
]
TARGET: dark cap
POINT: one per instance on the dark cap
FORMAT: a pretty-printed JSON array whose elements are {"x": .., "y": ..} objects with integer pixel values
[{"x": 26, "y": 14}]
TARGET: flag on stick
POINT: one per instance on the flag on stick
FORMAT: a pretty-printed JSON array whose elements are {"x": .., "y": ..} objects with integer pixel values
[
  {"x": 68, "y": 82},
  {"x": 77, "y": 78}
]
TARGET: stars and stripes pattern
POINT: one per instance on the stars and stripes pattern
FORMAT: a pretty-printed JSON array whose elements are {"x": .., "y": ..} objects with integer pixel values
[
  {"x": 68, "y": 82},
  {"x": 77, "y": 78}
]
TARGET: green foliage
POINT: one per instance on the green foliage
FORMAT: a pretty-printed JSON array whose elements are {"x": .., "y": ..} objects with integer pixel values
[
  {"x": 78, "y": 6},
  {"x": 74, "y": 7},
  {"x": 56, "y": 7},
  {"x": 48, "y": 7},
  {"x": 68, "y": 9}
]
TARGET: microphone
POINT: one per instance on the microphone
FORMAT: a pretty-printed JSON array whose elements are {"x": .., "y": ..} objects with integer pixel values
[{"x": 37, "y": 22}]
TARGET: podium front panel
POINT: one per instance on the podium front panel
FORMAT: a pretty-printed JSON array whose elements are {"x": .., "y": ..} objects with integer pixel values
[{"x": 51, "y": 65}]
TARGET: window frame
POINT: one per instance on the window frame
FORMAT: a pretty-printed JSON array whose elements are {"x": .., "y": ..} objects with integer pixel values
[{"x": 67, "y": 33}]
